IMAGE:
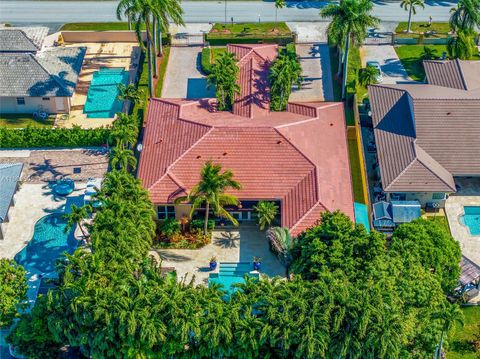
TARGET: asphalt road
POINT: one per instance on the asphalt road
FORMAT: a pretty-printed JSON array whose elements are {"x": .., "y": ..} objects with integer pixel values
[{"x": 57, "y": 12}]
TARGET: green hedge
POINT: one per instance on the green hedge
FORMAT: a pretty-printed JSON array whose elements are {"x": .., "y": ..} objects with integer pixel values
[
  {"x": 31, "y": 137},
  {"x": 205, "y": 63},
  {"x": 223, "y": 41}
]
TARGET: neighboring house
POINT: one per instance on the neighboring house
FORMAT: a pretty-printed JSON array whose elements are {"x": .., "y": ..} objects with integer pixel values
[
  {"x": 36, "y": 81},
  {"x": 9, "y": 179},
  {"x": 297, "y": 158},
  {"x": 388, "y": 215},
  {"x": 428, "y": 134}
]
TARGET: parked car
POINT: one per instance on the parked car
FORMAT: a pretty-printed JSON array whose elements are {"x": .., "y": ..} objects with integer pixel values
[{"x": 376, "y": 65}]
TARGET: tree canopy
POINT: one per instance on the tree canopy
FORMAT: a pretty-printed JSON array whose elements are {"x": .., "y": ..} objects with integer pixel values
[{"x": 13, "y": 290}]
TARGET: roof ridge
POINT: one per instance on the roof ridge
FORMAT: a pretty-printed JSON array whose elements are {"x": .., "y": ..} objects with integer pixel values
[
  {"x": 310, "y": 210},
  {"x": 429, "y": 168},
  {"x": 402, "y": 172},
  {"x": 53, "y": 77},
  {"x": 460, "y": 70}
]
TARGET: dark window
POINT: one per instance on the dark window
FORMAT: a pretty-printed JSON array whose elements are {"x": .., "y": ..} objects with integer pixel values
[
  {"x": 399, "y": 196},
  {"x": 165, "y": 212},
  {"x": 46, "y": 98},
  {"x": 20, "y": 100}
]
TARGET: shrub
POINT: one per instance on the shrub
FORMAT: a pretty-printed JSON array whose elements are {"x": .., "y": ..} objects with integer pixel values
[
  {"x": 205, "y": 63},
  {"x": 52, "y": 137},
  {"x": 170, "y": 227},
  {"x": 199, "y": 223}
]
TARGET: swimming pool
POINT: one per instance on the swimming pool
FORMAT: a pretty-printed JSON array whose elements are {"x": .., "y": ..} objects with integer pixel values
[
  {"x": 230, "y": 274},
  {"x": 471, "y": 219},
  {"x": 48, "y": 243},
  {"x": 102, "y": 95},
  {"x": 361, "y": 215}
]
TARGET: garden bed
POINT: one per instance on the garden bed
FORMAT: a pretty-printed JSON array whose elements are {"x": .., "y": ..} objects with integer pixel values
[
  {"x": 265, "y": 32},
  {"x": 172, "y": 233}
]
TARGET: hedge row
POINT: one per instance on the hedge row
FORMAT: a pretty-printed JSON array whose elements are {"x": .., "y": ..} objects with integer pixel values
[
  {"x": 214, "y": 40},
  {"x": 32, "y": 137}
]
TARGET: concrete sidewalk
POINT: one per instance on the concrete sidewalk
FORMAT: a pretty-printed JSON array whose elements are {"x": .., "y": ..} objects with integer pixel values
[{"x": 315, "y": 62}]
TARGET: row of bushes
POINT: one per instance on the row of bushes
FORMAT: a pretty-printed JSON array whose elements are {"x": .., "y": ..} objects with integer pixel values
[
  {"x": 52, "y": 137},
  {"x": 215, "y": 40}
]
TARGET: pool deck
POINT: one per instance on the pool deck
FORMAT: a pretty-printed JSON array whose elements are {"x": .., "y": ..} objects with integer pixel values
[
  {"x": 228, "y": 245},
  {"x": 114, "y": 54},
  {"x": 468, "y": 196}
]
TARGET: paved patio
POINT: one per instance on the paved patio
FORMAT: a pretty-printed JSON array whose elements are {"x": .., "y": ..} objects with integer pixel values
[
  {"x": 228, "y": 245},
  {"x": 467, "y": 195}
]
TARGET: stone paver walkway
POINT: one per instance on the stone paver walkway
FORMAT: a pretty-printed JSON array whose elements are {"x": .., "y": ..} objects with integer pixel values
[
  {"x": 228, "y": 245},
  {"x": 183, "y": 78},
  {"x": 315, "y": 62}
]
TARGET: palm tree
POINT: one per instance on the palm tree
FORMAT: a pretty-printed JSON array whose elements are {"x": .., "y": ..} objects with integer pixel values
[
  {"x": 266, "y": 211},
  {"x": 350, "y": 22},
  {"x": 411, "y": 7},
  {"x": 211, "y": 191},
  {"x": 451, "y": 315},
  {"x": 429, "y": 53},
  {"x": 122, "y": 159},
  {"x": 279, "y": 4},
  {"x": 130, "y": 93},
  {"x": 167, "y": 10},
  {"x": 368, "y": 76},
  {"x": 466, "y": 16},
  {"x": 125, "y": 8},
  {"x": 124, "y": 136},
  {"x": 281, "y": 239},
  {"x": 461, "y": 47},
  {"x": 76, "y": 216},
  {"x": 283, "y": 74},
  {"x": 223, "y": 76}
]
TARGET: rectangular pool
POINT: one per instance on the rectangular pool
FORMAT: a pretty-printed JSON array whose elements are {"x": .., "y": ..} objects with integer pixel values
[
  {"x": 471, "y": 219},
  {"x": 102, "y": 95}
]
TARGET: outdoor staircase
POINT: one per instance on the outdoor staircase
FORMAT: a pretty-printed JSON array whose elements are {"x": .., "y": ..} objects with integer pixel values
[{"x": 235, "y": 269}]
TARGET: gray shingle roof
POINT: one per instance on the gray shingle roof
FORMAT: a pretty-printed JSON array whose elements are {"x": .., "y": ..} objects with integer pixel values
[
  {"x": 15, "y": 40},
  {"x": 425, "y": 135},
  {"x": 53, "y": 72},
  {"x": 458, "y": 74},
  {"x": 9, "y": 176}
]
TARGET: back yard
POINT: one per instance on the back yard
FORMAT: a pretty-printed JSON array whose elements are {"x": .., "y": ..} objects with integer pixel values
[{"x": 460, "y": 346}]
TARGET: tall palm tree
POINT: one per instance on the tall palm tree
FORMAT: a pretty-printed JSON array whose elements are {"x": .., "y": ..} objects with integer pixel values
[
  {"x": 125, "y": 8},
  {"x": 211, "y": 192},
  {"x": 349, "y": 26},
  {"x": 266, "y": 211},
  {"x": 466, "y": 16},
  {"x": 283, "y": 74},
  {"x": 411, "y": 7},
  {"x": 279, "y": 4},
  {"x": 76, "y": 216},
  {"x": 450, "y": 316},
  {"x": 122, "y": 159},
  {"x": 223, "y": 76},
  {"x": 168, "y": 10}
]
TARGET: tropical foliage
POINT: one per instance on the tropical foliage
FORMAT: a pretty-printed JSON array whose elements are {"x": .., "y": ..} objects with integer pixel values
[
  {"x": 279, "y": 4},
  {"x": 411, "y": 7},
  {"x": 285, "y": 72},
  {"x": 13, "y": 290},
  {"x": 429, "y": 53},
  {"x": 462, "y": 46},
  {"x": 223, "y": 76},
  {"x": 466, "y": 15},
  {"x": 282, "y": 243},
  {"x": 350, "y": 21},
  {"x": 130, "y": 93},
  {"x": 31, "y": 137},
  {"x": 368, "y": 76},
  {"x": 210, "y": 192},
  {"x": 76, "y": 217},
  {"x": 267, "y": 212}
]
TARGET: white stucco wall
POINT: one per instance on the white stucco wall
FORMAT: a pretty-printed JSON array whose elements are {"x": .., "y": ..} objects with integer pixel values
[{"x": 8, "y": 105}]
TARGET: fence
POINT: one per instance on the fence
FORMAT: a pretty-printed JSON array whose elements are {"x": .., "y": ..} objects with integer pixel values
[{"x": 106, "y": 36}]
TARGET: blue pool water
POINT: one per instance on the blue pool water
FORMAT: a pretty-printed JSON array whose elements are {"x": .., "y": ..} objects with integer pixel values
[
  {"x": 102, "y": 95},
  {"x": 471, "y": 219},
  {"x": 48, "y": 243},
  {"x": 230, "y": 274},
  {"x": 361, "y": 215}
]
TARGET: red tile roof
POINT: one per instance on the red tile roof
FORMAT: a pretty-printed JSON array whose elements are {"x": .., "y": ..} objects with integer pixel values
[{"x": 299, "y": 156}]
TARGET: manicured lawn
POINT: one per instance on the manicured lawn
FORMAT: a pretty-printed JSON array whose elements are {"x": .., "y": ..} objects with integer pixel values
[
  {"x": 355, "y": 169},
  {"x": 95, "y": 26},
  {"x": 459, "y": 346},
  {"x": 161, "y": 71},
  {"x": 441, "y": 29},
  {"x": 20, "y": 121},
  {"x": 353, "y": 86},
  {"x": 250, "y": 29},
  {"x": 411, "y": 58}
]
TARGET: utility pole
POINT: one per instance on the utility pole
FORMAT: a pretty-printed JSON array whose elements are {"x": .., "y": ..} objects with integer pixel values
[{"x": 225, "y": 12}]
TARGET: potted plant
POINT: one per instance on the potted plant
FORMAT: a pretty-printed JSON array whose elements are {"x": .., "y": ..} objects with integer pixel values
[
  {"x": 257, "y": 262},
  {"x": 213, "y": 263}
]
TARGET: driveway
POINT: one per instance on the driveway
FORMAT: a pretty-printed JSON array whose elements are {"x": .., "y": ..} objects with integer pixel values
[
  {"x": 228, "y": 245},
  {"x": 308, "y": 32},
  {"x": 183, "y": 78},
  {"x": 392, "y": 69},
  {"x": 315, "y": 62}
]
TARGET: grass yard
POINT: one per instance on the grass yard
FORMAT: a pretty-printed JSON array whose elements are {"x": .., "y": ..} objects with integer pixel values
[
  {"x": 440, "y": 29},
  {"x": 459, "y": 346},
  {"x": 24, "y": 120},
  {"x": 353, "y": 86},
  {"x": 355, "y": 169},
  {"x": 250, "y": 29},
  {"x": 95, "y": 26},
  {"x": 411, "y": 58},
  {"x": 209, "y": 55},
  {"x": 161, "y": 71}
]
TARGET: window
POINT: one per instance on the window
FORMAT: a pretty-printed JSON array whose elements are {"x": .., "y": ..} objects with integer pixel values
[
  {"x": 20, "y": 100},
  {"x": 438, "y": 196},
  {"x": 45, "y": 98},
  {"x": 165, "y": 212},
  {"x": 399, "y": 196}
]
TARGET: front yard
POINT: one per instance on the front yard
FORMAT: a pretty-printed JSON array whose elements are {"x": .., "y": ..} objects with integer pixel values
[
  {"x": 418, "y": 29},
  {"x": 24, "y": 120}
]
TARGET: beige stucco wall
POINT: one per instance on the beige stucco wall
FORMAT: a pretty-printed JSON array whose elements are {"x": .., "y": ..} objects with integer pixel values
[
  {"x": 181, "y": 210},
  {"x": 101, "y": 36},
  {"x": 8, "y": 105},
  {"x": 422, "y": 197}
]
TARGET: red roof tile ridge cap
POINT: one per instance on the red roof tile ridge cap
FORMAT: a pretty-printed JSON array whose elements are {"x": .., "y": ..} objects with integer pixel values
[
  {"x": 306, "y": 214},
  {"x": 298, "y": 122},
  {"x": 297, "y": 149},
  {"x": 193, "y": 122},
  {"x": 180, "y": 157},
  {"x": 427, "y": 167}
]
